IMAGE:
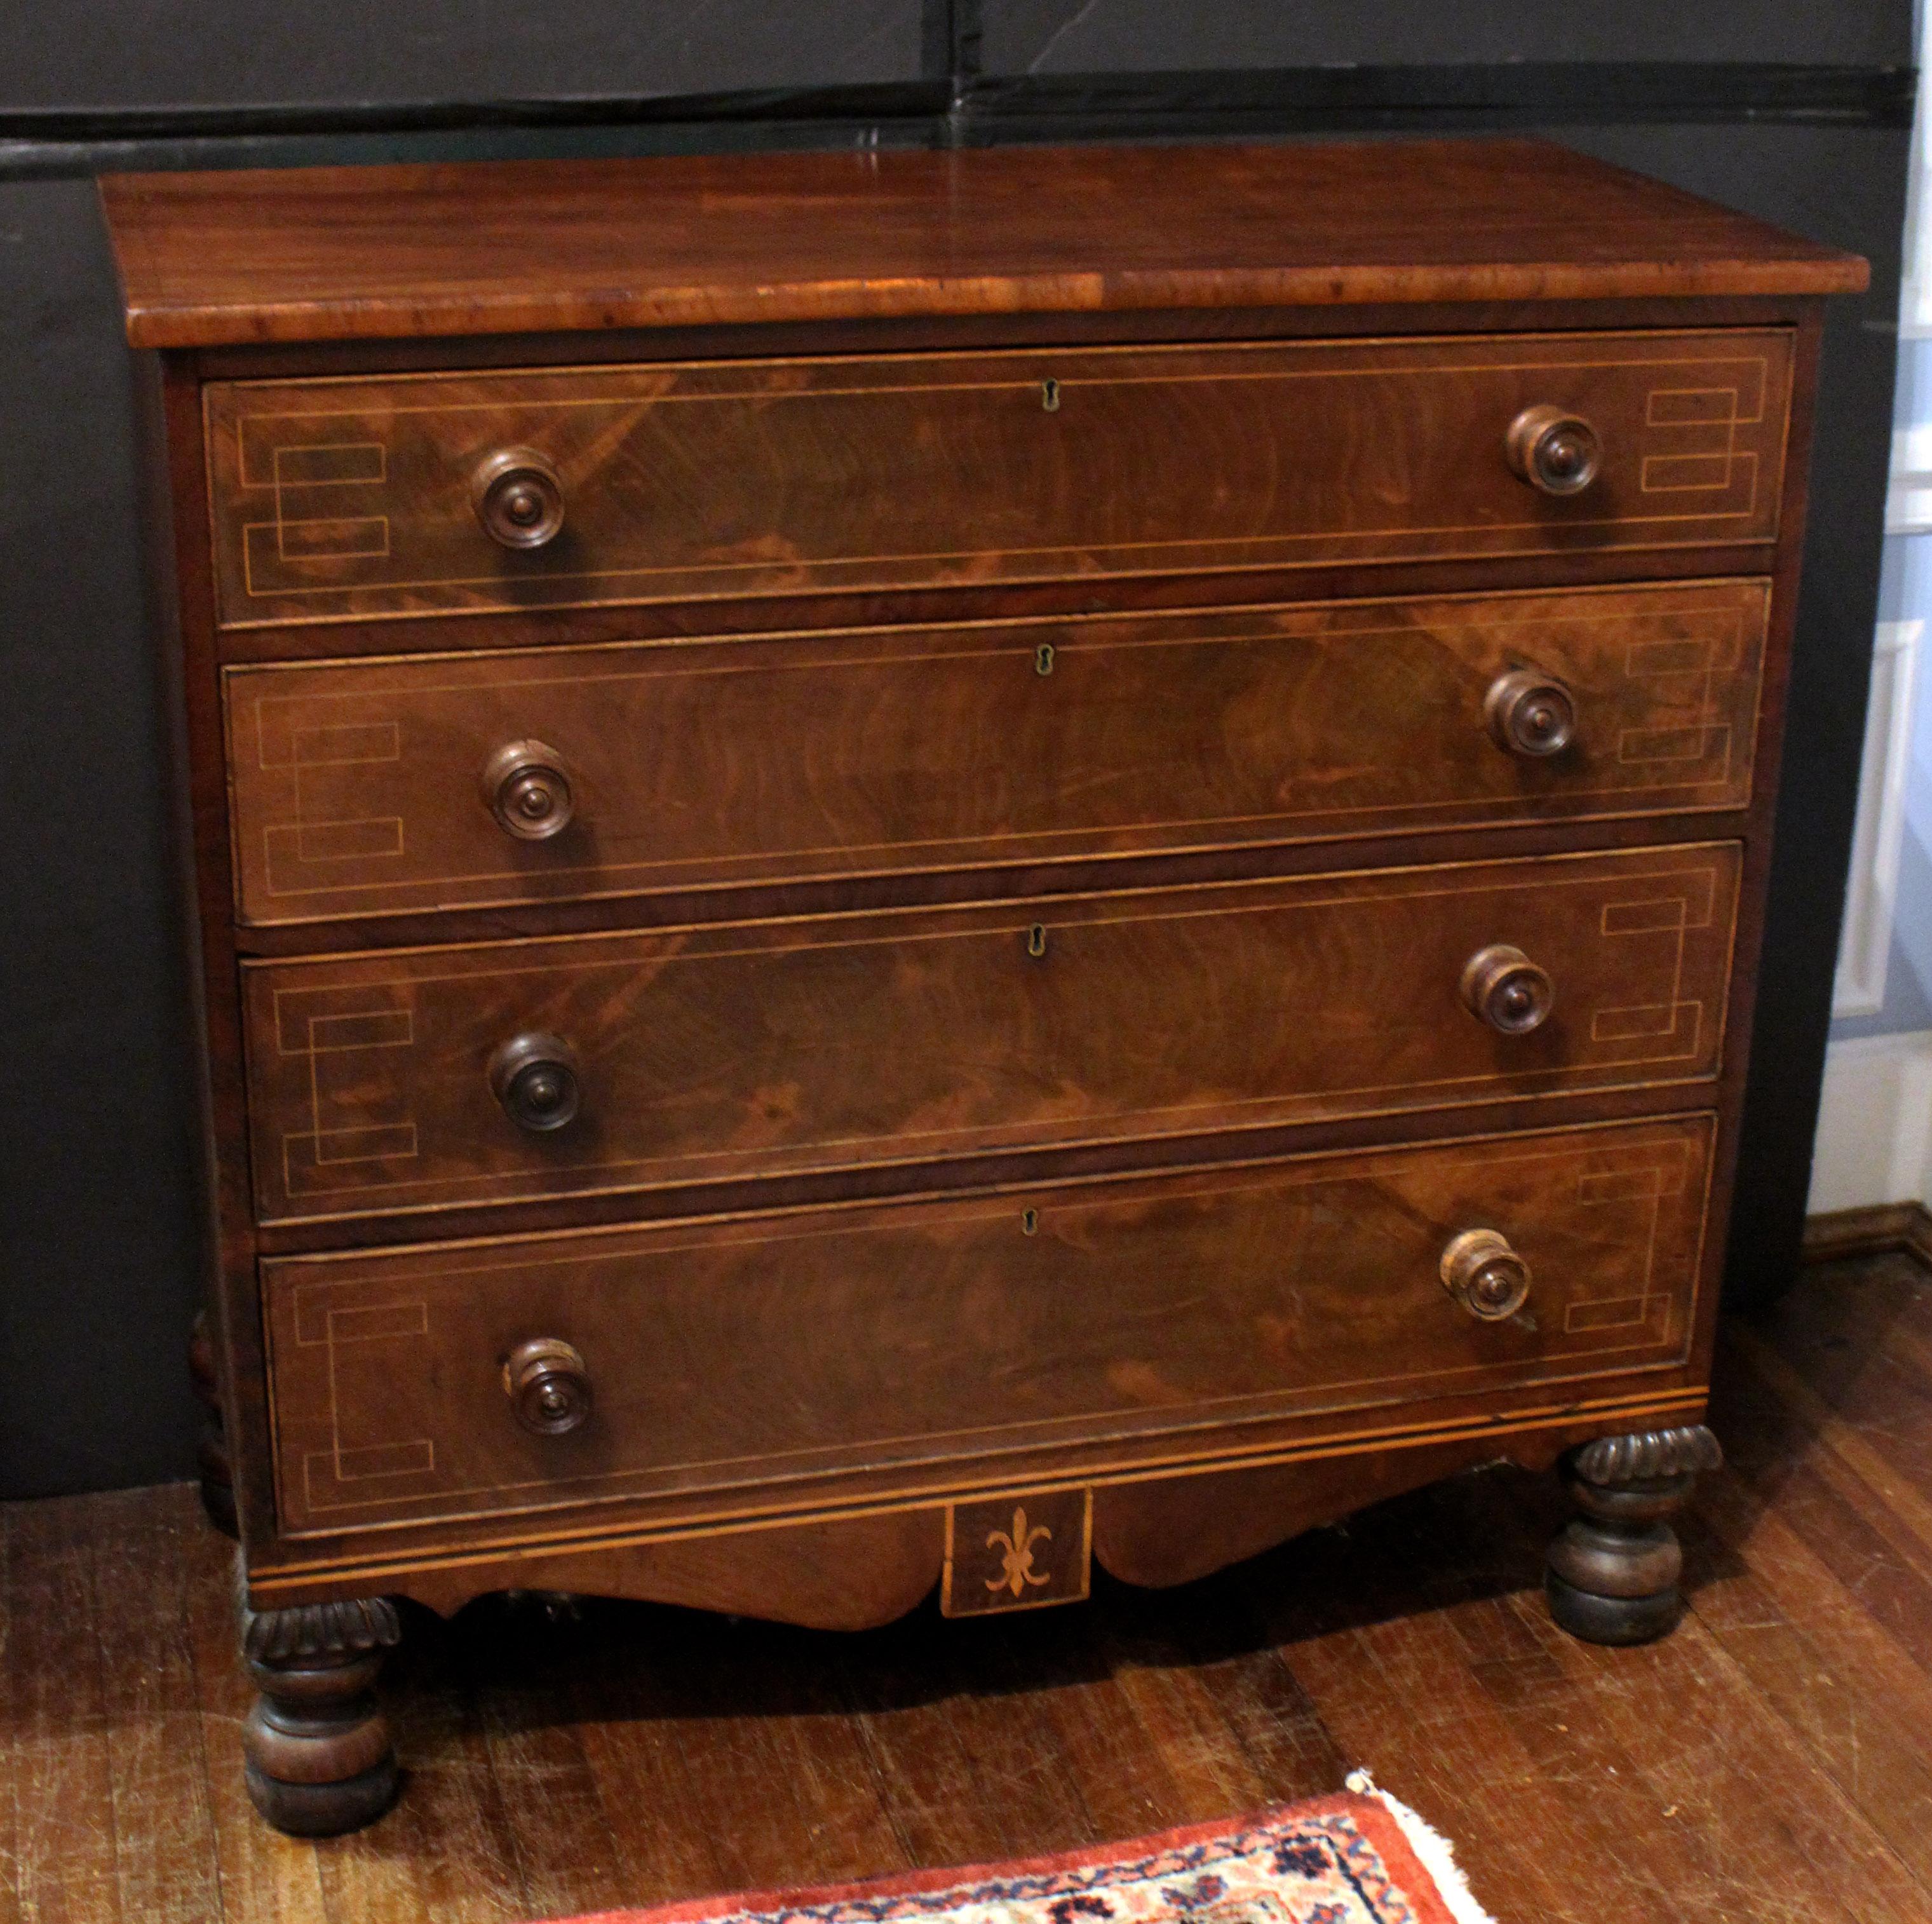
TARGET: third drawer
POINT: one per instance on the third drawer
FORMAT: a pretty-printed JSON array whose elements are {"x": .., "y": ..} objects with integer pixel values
[{"x": 498, "y": 1073}]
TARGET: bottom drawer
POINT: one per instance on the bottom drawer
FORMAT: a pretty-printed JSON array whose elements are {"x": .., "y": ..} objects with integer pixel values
[{"x": 775, "y": 1361}]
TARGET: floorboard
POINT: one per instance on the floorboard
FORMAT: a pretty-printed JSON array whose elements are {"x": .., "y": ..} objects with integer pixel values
[{"x": 1768, "y": 1764}]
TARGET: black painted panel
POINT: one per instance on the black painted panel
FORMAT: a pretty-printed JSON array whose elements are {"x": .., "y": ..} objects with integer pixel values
[
  {"x": 160, "y": 53},
  {"x": 1100, "y": 36},
  {"x": 99, "y": 1254}
]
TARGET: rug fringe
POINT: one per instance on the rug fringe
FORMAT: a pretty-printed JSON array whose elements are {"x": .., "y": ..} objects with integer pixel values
[{"x": 1437, "y": 1855}]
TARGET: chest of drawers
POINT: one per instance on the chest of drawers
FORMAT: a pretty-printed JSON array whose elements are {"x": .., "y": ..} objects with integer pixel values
[{"x": 912, "y": 870}]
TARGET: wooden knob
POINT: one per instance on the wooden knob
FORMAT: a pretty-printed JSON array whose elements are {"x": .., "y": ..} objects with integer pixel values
[
  {"x": 1555, "y": 452},
  {"x": 534, "y": 1077},
  {"x": 518, "y": 498},
  {"x": 1485, "y": 1275},
  {"x": 1529, "y": 713},
  {"x": 526, "y": 789},
  {"x": 1506, "y": 990},
  {"x": 548, "y": 1386}
]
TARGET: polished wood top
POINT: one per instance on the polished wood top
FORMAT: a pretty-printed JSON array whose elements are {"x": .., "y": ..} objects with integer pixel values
[{"x": 333, "y": 253}]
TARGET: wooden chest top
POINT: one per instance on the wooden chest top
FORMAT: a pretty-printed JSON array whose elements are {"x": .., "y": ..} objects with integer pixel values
[{"x": 338, "y": 253}]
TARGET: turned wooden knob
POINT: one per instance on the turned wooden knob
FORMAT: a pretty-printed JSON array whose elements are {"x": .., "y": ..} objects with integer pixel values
[
  {"x": 1529, "y": 713},
  {"x": 518, "y": 498},
  {"x": 1485, "y": 1275},
  {"x": 526, "y": 787},
  {"x": 1506, "y": 990},
  {"x": 548, "y": 1385},
  {"x": 1557, "y": 452},
  {"x": 534, "y": 1077}
]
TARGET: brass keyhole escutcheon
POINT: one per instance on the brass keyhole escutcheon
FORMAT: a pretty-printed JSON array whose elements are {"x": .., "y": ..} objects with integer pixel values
[
  {"x": 1042, "y": 658},
  {"x": 1036, "y": 939},
  {"x": 1029, "y": 1222},
  {"x": 1049, "y": 396}
]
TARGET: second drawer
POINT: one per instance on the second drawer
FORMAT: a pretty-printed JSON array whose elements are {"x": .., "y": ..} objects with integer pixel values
[
  {"x": 439, "y": 781},
  {"x": 504, "y": 1071}
]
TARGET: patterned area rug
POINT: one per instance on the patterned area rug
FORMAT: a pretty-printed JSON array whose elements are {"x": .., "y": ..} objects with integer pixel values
[{"x": 1359, "y": 1858}]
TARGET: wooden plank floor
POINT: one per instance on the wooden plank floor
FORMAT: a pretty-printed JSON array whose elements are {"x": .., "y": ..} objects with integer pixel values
[{"x": 1768, "y": 1764}]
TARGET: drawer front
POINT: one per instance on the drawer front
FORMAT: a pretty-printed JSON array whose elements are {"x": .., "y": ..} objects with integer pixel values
[
  {"x": 761, "y": 1355},
  {"x": 365, "y": 787},
  {"x": 695, "y": 481},
  {"x": 739, "y": 1050}
]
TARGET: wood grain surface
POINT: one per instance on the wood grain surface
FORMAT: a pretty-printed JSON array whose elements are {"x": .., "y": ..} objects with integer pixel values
[
  {"x": 686, "y": 481},
  {"x": 328, "y": 254},
  {"x": 357, "y": 785},
  {"x": 1019, "y": 483},
  {"x": 766, "y": 1048},
  {"x": 722, "y": 1356},
  {"x": 1768, "y": 1762},
  {"x": 242, "y": 1352}
]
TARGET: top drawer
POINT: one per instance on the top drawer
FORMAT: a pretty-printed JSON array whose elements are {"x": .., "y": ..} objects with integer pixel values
[{"x": 688, "y": 482}]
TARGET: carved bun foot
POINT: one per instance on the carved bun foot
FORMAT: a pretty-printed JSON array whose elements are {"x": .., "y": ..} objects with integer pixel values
[
  {"x": 319, "y": 1758},
  {"x": 218, "y": 1481},
  {"x": 323, "y": 1810},
  {"x": 1613, "y": 1572}
]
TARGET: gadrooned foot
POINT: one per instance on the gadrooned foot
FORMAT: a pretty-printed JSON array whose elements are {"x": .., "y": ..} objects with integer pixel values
[
  {"x": 1613, "y": 1572},
  {"x": 319, "y": 1758}
]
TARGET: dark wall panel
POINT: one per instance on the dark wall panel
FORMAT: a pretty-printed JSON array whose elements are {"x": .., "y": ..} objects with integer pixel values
[
  {"x": 175, "y": 53},
  {"x": 1142, "y": 36},
  {"x": 99, "y": 1251}
]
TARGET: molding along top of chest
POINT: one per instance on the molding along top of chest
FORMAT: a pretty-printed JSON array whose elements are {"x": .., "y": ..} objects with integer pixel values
[{"x": 915, "y": 868}]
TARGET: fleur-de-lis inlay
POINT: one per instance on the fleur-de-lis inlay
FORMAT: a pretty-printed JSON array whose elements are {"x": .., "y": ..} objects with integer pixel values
[{"x": 1016, "y": 1569}]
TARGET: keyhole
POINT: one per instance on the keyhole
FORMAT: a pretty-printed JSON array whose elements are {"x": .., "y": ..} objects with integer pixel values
[
  {"x": 1036, "y": 939},
  {"x": 1042, "y": 658},
  {"x": 1029, "y": 1222},
  {"x": 1049, "y": 396}
]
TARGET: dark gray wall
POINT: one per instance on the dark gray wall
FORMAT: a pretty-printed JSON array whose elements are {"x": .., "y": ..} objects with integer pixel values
[
  {"x": 176, "y": 53},
  {"x": 1104, "y": 36},
  {"x": 97, "y": 1224},
  {"x": 99, "y": 1249}
]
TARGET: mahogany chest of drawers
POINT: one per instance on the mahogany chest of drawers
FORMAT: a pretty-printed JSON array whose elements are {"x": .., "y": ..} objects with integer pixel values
[{"x": 916, "y": 869}]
